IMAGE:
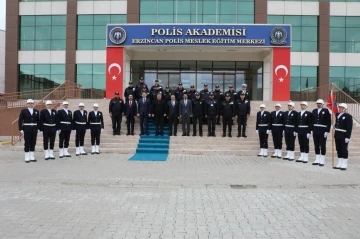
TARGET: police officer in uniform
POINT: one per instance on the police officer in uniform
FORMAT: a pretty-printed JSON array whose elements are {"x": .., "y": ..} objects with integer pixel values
[
  {"x": 290, "y": 120},
  {"x": 219, "y": 97},
  {"x": 321, "y": 129},
  {"x": 204, "y": 94},
  {"x": 277, "y": 128},
  {"x": 198, "y": 110},
  {"x": 64, "y": 124},
  {"x": 228, "y": 114},
  {"x": 48, "y": 126},
  {"x": 263, "y": 126},
  {"x": 80, "y": 126},
  {"x": 191, "y": 93},
  {"x": 116, "y": 110},
  {"x": 343, "y": 129},
  {"x": 154, "y": 85},
  {"x": 303, "y": 131},
  {"x": 232, "y": 93},
  {"x": 179, "y": 92},
  {"x": 130, "y": 90},
  {"x": 139, "y": 87},
  {"x": 167, "y": 94},
  {"x": 244, "y": 90},
  {"x": 95, "y": 126},
  {"x": 211, "y": 112},
  {"x": 242, "y": 109},
  {"x": 28, "y": 126}
]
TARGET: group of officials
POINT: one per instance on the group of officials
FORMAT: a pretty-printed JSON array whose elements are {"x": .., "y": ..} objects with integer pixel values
[
  {"x": 189, "y": 106},
  {"x": 303, "y": 125},
  {"x": 181, "y": 105},
  {"x": 50, "y": 123}
]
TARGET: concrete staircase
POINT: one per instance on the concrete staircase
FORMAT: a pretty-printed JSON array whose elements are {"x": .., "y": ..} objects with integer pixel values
[{"x": 188, "y": 145}]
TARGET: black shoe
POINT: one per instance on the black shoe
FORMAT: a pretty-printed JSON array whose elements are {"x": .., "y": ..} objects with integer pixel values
[
  {"x": 291, "y": 159},
  {"x": 118, "y": 133},
  {"x": 209, "y": 135},
  {"x": 342, "y": 169},
  {"x": 188, "y": 135},
  {"x": 218, "y": 124},
  {"x": 315, "y": 164},
  {"x": 321, "y": 165},
  {"x": 201, "y": 135},
  {"x": 244, "y": 135},
  {"x": 162, "y": 134},
  {"x": 298, "y": 161},
  {"x": 193, "y": 134},
  {"x": 224, "y": 135},
  {"x": 175, "y": 134},
  {"x": 214, "y": 135},
  {"x": 183, "y": 135},
  {"x": 147, "y": 133},
  {"x": 47, "y": 158},
  {"x": 170, "y": 134},
  {"x": 132, "y": 133},
  {"x": 127, "y": 133},
  {"x": 114, "y": 133},
  {"x": 27, "y": 161},
  {"x": 84, "y": 154},
  {"x": 230, "y": 135},
  {"x": 238, "y": 136},
  {"x": 33, "y": 160}
]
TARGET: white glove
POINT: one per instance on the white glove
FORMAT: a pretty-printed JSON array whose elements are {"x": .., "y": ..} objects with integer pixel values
[
  {"x": 89, "y": 130},
  {"x": 102, "y": 130},
  {"x": 267, "y": 131},
  {"x": 40, "y": 132},
  {"x": 295, "y": 134},
  {"x": 283, "y": 132},
  {"x": 333, "y": 126},
  {"x": 347, "y": 140},
  {"x": 325, "y": 134},
  {"x": 58, "y": 132},
  {"x": 308, "y": 136},
  {"x": 74, "y": 131},
  {"x": 257, "y": 131},
  {"x": 22, "y": 131},
  {"x": 311, "y": 133}
]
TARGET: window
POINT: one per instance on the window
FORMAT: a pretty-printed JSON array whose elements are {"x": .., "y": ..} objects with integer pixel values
[
  {"x": 40, "y": 76},
  {"x": 196, "y": 11},
  {"x": 304, "y": 31},
  {"x": 91, "y": 30},
  {"x": 345, "y": 34},
  {"x": 303, "y": 77},
  {"x": 346, "y": 78},
  {"x": 91, "y": 76},
  {"x": 43, "y": 32}
]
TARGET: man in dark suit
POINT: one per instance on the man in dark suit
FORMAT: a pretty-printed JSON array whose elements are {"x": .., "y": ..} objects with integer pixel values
[
  {"x": 303, "y": 131},
  {"x": 343, "y": 130},
  {"x": 144, "y": 105},
  {"x": 263, "y": 126},
  {"x": 277, "y": 130},
  {"x": 198, "y": 109},
  {"x": 185, "y": 112},
  {"x": 95, "y": 126},
  {"x": 48, "y": 126},
  {"x": 290, "y": 121},
  {"x": 130, "y": 112},
  {"x": 158, "y": 111},
  {"x": 227, "y": 111},
  {"x": 321, "y": 129},
  {"x": 173, "y": 115},
  {"x": 28, "y": 126},
  {"x": 116, "y": 110},
  {"x": 64, "y": 129},
  {"x": 80, "y": 126}
]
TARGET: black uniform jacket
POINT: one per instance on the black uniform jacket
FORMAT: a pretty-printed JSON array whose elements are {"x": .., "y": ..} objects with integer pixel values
[
  {"x": 29, "y": 122},
  {"x": 322, "y": 121},
  {"x": 80, "y": 121},
  {"x": 48, "y": 122},
  {"x": 277, "y": 121},
  {"x": 64, "y": 120},
  {"x": 304, "y": 122},
  {"x": 263, "y": 122},
  {"x": 343, "y": 126},
  {"x": 290, "y": 121}
]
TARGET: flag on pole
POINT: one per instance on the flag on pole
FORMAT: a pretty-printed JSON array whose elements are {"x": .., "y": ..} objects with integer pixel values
[
  {"x": 307, "y": 83},
  {"x": 331, "y": 102}
]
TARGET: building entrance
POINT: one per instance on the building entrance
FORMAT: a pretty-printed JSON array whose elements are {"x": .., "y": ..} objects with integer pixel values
[
  {"x": 169, "y": 79},
  {"x": 224, "y": 80}
]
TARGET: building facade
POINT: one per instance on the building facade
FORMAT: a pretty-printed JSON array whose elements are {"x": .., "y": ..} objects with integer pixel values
[
  {"x": 50, "y": 41},
  {"x": 2, "y": 61}
]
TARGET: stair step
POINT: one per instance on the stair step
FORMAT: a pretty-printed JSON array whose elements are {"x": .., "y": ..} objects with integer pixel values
[
  {"x": 153, "y": 145},
  {"x": 152, "y": 150}
]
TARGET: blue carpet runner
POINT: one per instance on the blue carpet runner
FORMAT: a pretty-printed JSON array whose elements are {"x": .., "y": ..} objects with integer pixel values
[{"x": 152, "y": 148}]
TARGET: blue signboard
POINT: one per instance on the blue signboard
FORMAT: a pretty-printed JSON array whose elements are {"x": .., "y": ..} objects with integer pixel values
[{"x": 131, "y": 35}]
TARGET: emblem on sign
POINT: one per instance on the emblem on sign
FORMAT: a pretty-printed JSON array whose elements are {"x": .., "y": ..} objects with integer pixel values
[
  {"x": 278, "y": 36},
  {"x": 117, "y": 35}
]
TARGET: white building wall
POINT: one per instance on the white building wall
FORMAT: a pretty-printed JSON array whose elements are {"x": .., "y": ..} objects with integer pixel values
[
  {"x": 42, "y": 8},
  {"x": 2, "y": 61},
  {"x": 102, "y": 7}
]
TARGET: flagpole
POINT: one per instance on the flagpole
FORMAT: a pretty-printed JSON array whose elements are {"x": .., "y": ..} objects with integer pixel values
[{"x": 332, "y": 123}]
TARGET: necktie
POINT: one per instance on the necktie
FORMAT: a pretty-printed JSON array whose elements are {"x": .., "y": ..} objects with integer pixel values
[
  {"x": 130, "y": 103},
  {"x": 144, "y": 100},
  {"x": 185, "y": 102}
]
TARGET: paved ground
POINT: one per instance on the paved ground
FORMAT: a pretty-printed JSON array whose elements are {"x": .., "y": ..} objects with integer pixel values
[{"x": 191, "y": 197}]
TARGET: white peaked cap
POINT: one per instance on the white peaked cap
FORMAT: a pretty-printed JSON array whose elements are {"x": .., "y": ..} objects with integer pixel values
[
  {"x": 343, "y": 105},
  {"x": 95, "y": 105},
  {"x": 319, "y": 101},
  {"x": 278, "y": 105},
  {"x": 65, "y": 103},
  {"x": 81, "y": 104},
  {"x": 304, "y": 103},
  {"x": 244, "y": 85},
  {"x": 291, "y": 103},
  {"x": 48, "y": 102},
  {"x": 29, "y": 101},
  {"x": 262, "y": 106}
]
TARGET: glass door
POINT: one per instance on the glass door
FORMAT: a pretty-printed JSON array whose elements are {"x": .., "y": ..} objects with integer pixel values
[
  {"x": 223, "y": 80},
  {"x": 170, "y": 79}
]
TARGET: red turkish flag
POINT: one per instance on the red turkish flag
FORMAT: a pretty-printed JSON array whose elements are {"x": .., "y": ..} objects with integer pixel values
[
  {"x": 114, "y": 71},
  {"x": 331, "y": 103},
  {"x": 281, "y": 74}
]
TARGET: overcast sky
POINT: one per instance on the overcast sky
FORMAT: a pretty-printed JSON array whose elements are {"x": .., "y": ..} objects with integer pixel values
[{"x": 2, "y": 14}]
